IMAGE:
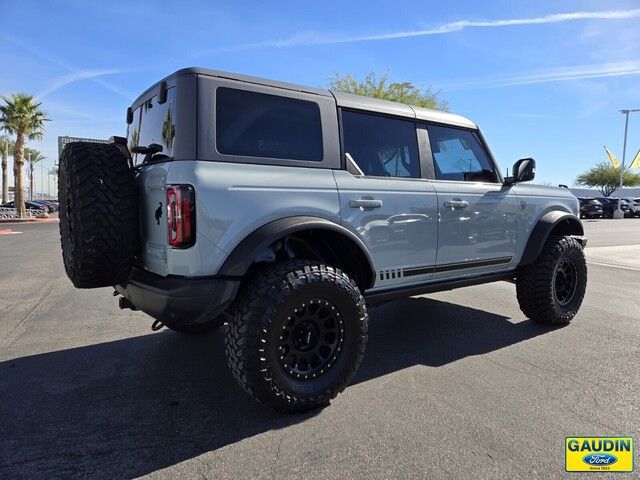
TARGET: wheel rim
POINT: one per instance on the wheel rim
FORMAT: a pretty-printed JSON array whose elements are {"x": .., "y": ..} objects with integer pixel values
[
  {"x": 311, "y": 339},
  {"x": 565, "y": 280}
]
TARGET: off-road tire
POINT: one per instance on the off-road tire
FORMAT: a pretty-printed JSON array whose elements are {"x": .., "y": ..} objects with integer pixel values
[
  {"x": 535, "y": 283},
  {"x": 261, "y": 310},
  {"x": 98, "y": 214}
]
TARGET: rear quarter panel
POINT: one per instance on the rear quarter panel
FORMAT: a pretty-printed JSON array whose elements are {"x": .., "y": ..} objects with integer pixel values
[{"x": 232, "y": 200}]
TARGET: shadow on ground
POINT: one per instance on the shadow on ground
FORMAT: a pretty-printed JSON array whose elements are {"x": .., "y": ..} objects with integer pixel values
[{"x": 133, "y": 406}]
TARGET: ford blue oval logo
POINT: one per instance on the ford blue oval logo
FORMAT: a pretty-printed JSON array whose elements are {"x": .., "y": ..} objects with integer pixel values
[{"x": 603, "y": 459}]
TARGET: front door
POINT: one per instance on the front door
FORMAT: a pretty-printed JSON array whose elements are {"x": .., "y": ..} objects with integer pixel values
[
  {"x": 386, "y": 203},
  {"x": 478, "y": 214}
]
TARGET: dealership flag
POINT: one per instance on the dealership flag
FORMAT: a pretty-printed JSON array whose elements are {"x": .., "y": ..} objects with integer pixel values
[
  {"x": 636, "y": 161},
  {"x": 612, "y": 157}
]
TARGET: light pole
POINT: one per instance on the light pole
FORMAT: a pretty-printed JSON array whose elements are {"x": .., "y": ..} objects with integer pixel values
[{"x": 618, "y": 213}]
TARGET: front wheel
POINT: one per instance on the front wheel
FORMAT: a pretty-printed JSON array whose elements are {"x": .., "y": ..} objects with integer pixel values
[
  {"x": 296, "y": 335},
  {"x": 551, "y": 289}
]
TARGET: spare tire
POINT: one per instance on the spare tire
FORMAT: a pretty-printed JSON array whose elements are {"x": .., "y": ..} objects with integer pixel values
[{"x": 98, "y": 214}]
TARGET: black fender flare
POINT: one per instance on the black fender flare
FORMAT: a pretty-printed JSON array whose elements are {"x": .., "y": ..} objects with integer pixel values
[
  {"x": 243, "y": 255},
  {"x": 568, "y": 223}
]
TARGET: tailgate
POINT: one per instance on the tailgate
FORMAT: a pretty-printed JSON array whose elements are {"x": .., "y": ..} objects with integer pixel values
[{"x": 152, "y": 198}]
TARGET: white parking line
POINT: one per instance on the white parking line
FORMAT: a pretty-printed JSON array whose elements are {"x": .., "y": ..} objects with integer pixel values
[
  {"x": 8, "y": 231},
  {"x": 614, "y": 266}
]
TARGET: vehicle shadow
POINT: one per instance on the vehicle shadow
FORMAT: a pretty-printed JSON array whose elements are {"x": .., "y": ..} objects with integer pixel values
[{"x": 133, "y": 406}]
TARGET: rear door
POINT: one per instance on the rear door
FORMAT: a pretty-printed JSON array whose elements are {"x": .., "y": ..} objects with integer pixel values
[
  {"x": 478, "y": 214},
  {"x": 392, "y": 209}
]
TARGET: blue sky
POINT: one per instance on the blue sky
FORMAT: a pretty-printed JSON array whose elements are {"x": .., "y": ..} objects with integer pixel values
[{"x": 542, "y": 78}]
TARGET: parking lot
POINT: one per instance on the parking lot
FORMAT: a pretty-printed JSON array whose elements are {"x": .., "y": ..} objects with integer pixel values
[{"x": 454, "y": 385}]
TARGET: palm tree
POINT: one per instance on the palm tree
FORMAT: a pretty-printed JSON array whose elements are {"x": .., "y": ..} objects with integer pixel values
[
  {"x": 33, "y": 157},
  {"x": 6, "y": 145},
  {"x": 22, "y": 117}
]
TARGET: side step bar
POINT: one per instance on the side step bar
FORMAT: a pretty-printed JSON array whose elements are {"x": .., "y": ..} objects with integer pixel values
[{"x": 378, "y": 297}]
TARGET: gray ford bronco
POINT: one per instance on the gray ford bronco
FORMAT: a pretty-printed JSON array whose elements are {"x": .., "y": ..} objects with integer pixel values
[{"x": 283, "y": 212}]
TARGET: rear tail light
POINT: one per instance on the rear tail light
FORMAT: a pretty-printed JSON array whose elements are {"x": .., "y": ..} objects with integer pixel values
[{"x": 181, "y": 216}]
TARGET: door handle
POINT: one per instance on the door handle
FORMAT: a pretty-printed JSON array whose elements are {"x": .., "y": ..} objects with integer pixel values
[
  {"x": 456, "y": 204},
  {"x": 365, "y": 203}
]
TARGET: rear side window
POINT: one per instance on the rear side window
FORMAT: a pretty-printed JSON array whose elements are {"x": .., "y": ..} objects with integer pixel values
[
  {"x": 255, "y": 124},
  {"x": 381, "y": 146},
  {"x": 459, "y": 155}
]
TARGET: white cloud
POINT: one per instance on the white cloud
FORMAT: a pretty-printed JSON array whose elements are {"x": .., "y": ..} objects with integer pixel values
[
  {"x": 72, "y": 77},
  {"x": 311, "y": 38},
  {"x": 579, "y": 72},
  {"x": 51, "y": 59}
]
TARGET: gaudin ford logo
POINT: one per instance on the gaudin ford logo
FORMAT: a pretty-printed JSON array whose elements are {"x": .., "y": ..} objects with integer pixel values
[
  {"x": 599, "y": 459},
  {"x": 598, "y": 454}
]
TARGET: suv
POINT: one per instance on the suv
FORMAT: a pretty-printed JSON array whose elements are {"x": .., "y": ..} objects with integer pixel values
[
  {"x": 634, "y": 206},
  {"x": 284, "y": 212},
  {"x": 610, "y": 205},
  {"x": 590, "y": 208}
]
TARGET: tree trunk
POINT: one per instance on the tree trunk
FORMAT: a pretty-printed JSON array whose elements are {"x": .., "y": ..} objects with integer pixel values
[
  {"x": 5, "y": 186},
  {"x": 18, "y": 162},
  {"x": 31, "y": 181}
]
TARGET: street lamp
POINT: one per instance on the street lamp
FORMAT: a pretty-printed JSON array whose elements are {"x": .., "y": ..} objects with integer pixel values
[{"x": 618, "y": 213}]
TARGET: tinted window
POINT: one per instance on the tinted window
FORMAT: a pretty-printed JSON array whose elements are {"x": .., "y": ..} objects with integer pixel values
[
  {"x": 259, "y": 125},
  {"x": 459, "y": 155},
  {"x": 154, "y": 123},
  {"x": 381, "y": 146}
]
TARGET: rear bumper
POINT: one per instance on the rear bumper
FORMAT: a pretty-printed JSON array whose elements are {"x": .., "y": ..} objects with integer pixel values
[{"x": 177, "y": 300}]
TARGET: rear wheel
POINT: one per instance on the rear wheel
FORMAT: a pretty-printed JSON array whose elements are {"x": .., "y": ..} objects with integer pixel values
[
  {"x": 296, "y": 335},
  {"x": 551, "y": 289}
]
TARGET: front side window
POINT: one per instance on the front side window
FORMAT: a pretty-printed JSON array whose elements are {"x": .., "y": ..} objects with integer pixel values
[
  {"x": 255, "y": 124},
  {"x": 459, "y": 155},
  {"x": 381, "y": 146}
]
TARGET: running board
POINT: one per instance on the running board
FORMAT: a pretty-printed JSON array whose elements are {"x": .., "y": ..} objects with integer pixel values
[{"x": 375, "y": 298}]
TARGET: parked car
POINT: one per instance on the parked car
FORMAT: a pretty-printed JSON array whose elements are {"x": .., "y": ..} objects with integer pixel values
[
  {"x": 590, "y": 208},
  {"x": 609, "y": 205},
  {"x": 29, "y": 205},
  {"x": 48, "y": 205},
  {"x": 284, "y": 211},
  {"x": 634, "y": 206}
]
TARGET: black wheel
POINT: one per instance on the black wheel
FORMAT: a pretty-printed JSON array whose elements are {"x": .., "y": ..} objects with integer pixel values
[
  {"x": 198, "y": 328},
  {"x": 296, "y": 335},
  {"x": 551, "y": 289},
  {"x": 98, "y": 214}
]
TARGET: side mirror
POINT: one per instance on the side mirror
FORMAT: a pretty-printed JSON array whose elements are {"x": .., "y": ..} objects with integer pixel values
[{"x": 524, "y": 170}]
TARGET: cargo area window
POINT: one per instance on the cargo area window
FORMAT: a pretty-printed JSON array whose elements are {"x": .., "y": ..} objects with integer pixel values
[
  {"x": 153, "y": 122},
  {"x": 459, "y": 155},
  {"x": 381, "y": 146},
  {"x": 256, "y": 124}
]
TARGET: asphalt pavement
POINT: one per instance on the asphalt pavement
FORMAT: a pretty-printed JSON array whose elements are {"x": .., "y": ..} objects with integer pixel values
[{"x": 456, "y": 385}]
